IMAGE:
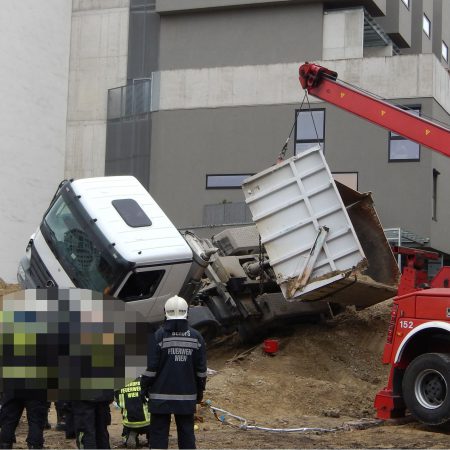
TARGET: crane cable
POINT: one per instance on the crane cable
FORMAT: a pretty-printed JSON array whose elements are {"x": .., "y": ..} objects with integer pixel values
[{"x": 283, "y": 151}]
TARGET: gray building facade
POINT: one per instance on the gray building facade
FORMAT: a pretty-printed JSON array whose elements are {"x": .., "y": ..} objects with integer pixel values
[{"x": 212, "y": 92}]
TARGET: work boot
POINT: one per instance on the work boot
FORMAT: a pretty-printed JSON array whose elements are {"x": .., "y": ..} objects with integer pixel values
[
  {"x": 60, "y": 421},
  {"x": 132, "y": 440}
]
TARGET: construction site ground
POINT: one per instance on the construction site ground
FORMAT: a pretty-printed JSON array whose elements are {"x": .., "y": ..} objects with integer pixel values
[{"x": 324, "y": 375}]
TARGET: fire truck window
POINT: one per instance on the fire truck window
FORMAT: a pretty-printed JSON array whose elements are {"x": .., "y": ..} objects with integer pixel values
[{"x": 141, "y": 285}]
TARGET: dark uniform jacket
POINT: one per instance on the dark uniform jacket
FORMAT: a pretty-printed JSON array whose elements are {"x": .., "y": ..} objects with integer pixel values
[
  {"x": 134, "y": 410},
  {"x": 176, "y": 374}
]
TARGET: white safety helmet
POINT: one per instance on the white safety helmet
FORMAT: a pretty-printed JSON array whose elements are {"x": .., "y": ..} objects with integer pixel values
[{"x": 176, "y": 308}]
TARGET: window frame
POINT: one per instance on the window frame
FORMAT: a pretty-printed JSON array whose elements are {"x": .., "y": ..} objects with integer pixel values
[
  {"x": 397, "y": 137},
  {"x": 223, "y": 186},
  {"x": 316, "y": 140}
]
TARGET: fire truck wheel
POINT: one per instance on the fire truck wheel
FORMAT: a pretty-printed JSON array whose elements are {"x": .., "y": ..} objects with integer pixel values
[{"x": 426, "y": 388}]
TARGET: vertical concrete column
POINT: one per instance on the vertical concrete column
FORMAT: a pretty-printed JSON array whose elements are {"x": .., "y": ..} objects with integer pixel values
[
  {"x": 343, "y": 34},
  {"x": 98, "y": 62}
]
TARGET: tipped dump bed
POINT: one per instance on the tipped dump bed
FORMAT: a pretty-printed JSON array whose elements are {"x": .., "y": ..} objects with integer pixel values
[{"x": 324, "y": 240}]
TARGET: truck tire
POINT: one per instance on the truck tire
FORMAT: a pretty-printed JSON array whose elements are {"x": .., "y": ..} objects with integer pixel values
[{"x": 426, "y": 388}]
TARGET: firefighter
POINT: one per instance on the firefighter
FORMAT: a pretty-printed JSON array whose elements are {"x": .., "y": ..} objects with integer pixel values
[
  {"x": 12, "y": 408},
  {"x": 135, "y": 415},
  {"x": 175, "y": 377}
]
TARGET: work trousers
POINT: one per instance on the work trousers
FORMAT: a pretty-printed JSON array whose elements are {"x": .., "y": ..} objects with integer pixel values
[
  {"x": 65, "y": 418},
  {"x": 159, "y": 430},
  {"x": 91, "y": 420},
  {"x": 11, "y": 413}
]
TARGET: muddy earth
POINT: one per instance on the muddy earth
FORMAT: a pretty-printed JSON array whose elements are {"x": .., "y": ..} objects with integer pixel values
[{"x": 321, "y": 384}]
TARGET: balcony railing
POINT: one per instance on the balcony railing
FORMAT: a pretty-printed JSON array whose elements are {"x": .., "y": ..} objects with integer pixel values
[{"x": 130, "y": 100}]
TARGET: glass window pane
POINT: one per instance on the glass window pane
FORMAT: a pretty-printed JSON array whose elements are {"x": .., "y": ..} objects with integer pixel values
[
  {"x": 426, "y": 25},
  {"x": 141, "y": 285},
  {"x": 225, "y": 181},
  {"x": 304, "y": 146},
  {"x": 444, "y": 51},
  {"x": 403, "y": 149},
  {"x": 305, "y": 125}
]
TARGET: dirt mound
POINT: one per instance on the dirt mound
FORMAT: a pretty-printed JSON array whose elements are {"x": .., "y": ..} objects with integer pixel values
[
  {"x": 7, "y": 288},
  {"x": 328, "y": 369}
]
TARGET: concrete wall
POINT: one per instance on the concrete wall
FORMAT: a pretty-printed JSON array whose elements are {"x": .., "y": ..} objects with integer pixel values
[
  {"x": 397, "y": 22},
  {"x": 445, "y": 28},
  {"x": 241, "y": 37},
  {"x": 189, "y": 144},
  {"x": 343, "y": 34},
  {"x": 236, "y": 119},
  {"x": 420, "y": 42},
  {"x": 441, "y": 18},
  {"x": 34, "y": 53},
  {"x": 375, "y": 7},
  {"x": 98, "y": 62},
  {"x": 421, "y": 76}
]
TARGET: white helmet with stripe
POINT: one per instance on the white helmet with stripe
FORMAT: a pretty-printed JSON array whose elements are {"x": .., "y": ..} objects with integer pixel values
[{"x": 176, "y": 308}]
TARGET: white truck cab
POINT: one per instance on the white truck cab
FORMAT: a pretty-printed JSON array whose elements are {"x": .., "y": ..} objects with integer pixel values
[{"x": 108, "y": 234}]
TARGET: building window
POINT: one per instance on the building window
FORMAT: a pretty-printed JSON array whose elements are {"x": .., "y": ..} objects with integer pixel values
[
  {"x": 426, "y": 26},
  {"x": 402, "y": 149},
  {"x": 436, "y": 173},
  {"x": 226, "y": 181},
  {"x": 350, "y": 179},
  {"x": 444, "y": 51},
  {"x": 309, "y": 129},
  {"x": 406, "y": 3}
]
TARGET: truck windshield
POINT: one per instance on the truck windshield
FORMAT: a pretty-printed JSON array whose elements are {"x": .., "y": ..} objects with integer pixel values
[{"x": 89, "y": 266}]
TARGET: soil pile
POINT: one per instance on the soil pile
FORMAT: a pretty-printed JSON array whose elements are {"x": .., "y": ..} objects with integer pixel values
[{"x": 328, "y": 369}]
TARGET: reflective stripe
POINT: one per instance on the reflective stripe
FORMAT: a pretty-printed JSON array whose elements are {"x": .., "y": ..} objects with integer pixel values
[
  {"x": 80, "y": 439},
  {"x": 180, "y": 338},
  {"x": 201, "y": 374},
  {"x": 136, "y": 424},
  {"x": 149, "y": 374},
  {"x": 173, "y": 397},
  {"x": 180, "y": 344}
]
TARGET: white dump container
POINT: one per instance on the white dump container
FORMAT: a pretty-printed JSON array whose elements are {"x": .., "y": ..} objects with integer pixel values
[{"x": 304, "y": 225}]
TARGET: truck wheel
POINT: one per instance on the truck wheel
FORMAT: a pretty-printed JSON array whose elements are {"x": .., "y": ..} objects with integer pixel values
[{"x": 426, "y": 388}]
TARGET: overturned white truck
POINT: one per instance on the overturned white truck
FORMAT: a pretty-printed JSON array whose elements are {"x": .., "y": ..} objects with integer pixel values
[{"x": 316, "y": 245}]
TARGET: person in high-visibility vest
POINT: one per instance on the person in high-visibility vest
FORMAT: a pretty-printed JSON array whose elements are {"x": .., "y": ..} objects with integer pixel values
[{"x": 135, "y": 414}]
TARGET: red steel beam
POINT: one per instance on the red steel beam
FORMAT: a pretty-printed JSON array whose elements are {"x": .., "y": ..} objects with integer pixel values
[{"x": 322, "y": 83}]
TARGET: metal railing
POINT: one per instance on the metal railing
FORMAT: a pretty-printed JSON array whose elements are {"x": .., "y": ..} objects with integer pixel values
[{"x": 130, "y": 100}]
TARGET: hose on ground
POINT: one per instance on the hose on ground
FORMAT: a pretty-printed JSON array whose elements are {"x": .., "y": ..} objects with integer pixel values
[{"x": 227, "y": 418}]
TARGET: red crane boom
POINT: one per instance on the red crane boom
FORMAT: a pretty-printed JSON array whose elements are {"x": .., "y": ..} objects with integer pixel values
[{"x": 322, "y": 83}]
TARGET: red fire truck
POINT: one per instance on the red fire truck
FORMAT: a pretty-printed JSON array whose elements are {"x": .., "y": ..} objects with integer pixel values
[{"x": 418, "y": 341}]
